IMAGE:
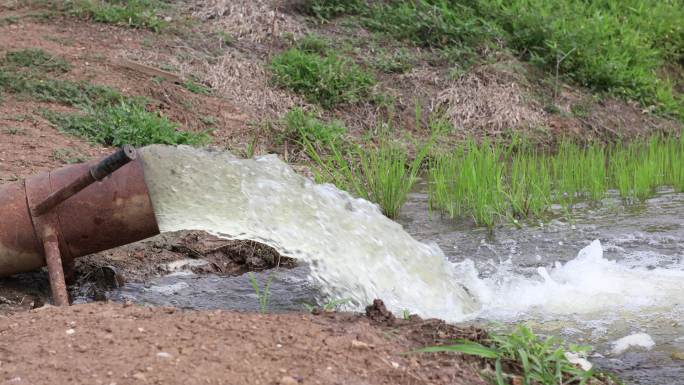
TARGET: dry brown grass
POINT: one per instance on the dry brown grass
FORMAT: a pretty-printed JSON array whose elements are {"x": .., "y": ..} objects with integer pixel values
[
  {"x": 491, "y": 99},
  {"x": 255, "y": 20}
]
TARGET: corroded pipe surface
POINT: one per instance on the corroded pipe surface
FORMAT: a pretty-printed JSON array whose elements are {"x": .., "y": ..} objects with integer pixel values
[
  {"x": 96, "y": 173},
  {"x": 112, "y": 212}
]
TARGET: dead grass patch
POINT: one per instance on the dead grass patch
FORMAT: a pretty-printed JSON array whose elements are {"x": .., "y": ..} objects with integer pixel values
[
  {"x": 255, "y": 20},
  {"x": 491, "y": 99}
]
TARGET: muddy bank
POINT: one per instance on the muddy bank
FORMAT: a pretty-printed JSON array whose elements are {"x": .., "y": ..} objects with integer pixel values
[
  {"x": 194, "y": 251},
  {"x": 124, "y": 344}
]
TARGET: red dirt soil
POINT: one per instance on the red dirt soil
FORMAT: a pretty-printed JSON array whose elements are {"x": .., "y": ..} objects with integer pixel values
[{"x": 124, "y": 344}]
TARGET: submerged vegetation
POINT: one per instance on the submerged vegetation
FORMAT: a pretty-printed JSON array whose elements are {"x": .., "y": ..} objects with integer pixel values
[
  {"x": 489, "y": 181},
  {"x": 522, "y": 357}
]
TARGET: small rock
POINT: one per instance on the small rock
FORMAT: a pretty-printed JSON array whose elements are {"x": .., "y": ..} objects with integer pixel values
[
  {"x": 164, "y": 355},
  {"x": 140, "y": 376},
  {"x": 395, "y": 365},
  {"x": 287, "y": 380},
  {"x": 356, "y": 344},
  {"x": 70, "y": 332},
  {"x": 578, "y": 359}
]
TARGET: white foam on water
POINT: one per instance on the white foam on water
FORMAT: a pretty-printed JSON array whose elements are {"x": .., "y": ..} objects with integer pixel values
[
  {"x": 356, "y": 253},
  {"x": 638, "y": 340},
  {"x": 587, "y": 284}
]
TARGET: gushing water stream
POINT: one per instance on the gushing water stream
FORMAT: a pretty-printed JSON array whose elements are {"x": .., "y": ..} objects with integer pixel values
[{"x": 352, "y": 251}]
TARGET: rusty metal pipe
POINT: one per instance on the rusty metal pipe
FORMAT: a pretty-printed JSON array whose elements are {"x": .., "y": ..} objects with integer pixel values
[
  {"x": 53, "y": 259},
  {"x": 79, "y": 218},
  {"x": 96, "y": 173}
]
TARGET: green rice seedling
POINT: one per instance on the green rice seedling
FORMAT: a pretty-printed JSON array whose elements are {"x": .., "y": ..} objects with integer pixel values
[
  {"x": 263, "y": 295},
  {"x": 469, "y": 181},
  {"x": 383, "y": 174},
  {"x": 389, "y": 175},
  {"x": 529, "y": 188},
  {"x": 528, "y": 357}
]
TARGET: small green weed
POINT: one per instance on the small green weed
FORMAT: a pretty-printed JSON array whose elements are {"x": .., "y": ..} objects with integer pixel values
[
  {"x": 311, "y": 43},
  {"x": 68, "y": 156},
  {"x": 302, "y": 127},
  {"x": 14, "y": 130},
  {"x": 132, "y": 13},
  {"x": 328, "y": 80},
  {"x": 58, "y": 91},
  {"x": 528, "y": 357},
  {"x": 197, "y": 88},
  {"x": 328, "y": 307},
  {"x": 263, "y": 295},
  {"x": 127, "y": 122},
  {"x": 36, "y": 59},
  {"x": 397, "y": 62},
  {"x": 325, "y": 10}
]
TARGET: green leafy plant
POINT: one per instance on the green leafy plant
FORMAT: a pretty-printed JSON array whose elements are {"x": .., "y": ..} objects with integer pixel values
[
  {"x": 523, "y": 354},
  {"x": 263, "y": 295}
]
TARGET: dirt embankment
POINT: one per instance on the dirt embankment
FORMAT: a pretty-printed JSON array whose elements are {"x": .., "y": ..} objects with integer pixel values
[{"x": 121, "y": 344}]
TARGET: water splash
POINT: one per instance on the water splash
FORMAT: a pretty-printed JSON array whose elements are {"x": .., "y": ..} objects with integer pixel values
[
  {"x": 586, "y": 285},
  {"x": 354, "y": 251}
]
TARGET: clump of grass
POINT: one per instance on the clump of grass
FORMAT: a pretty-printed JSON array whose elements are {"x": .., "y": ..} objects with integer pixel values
[
  {"x": 383, "y": 174},
  {"x": 523, "y": 357},
  {"x": 311, "y": 43},
  {"x": 431, "y": 23},
  {"x": 132, "y": 13},
  {"x": 127, "y": 122},
  {"x": 196, "y": 88},
  {"x": 36, "y": 59},
  {"x": 327, "y": 80},
  {"x": 77, "y": 94},
  {"x": 303, "y": 128},
  {"x": 106, "y": 115},
  {"x": 618, "y": 47},
  {"x": 610, "y": 46},
  {"x": 397, "y": 62},
  {"x": 325, "y": 10}
]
